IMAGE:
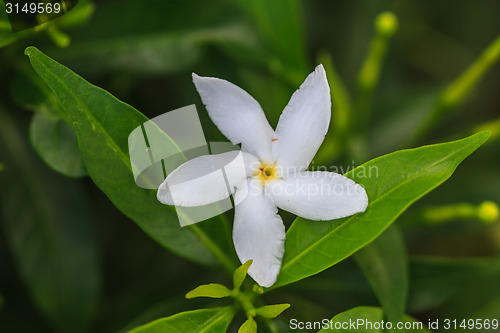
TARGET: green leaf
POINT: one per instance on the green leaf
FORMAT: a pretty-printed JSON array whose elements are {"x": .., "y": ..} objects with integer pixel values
[
  {"x": 368, "y": 318},
  {"x": 249, "y": 326},
  {"x": 385, "y": 266},
  {"x": 50, "y": 235},
  {"x": 240, "y": 273},
  {"x": 272, "y": 311},
  {"x": 55, "y": 142},
  {"x": 206, "y": 320},
  {"x": 213, "y": 290},
  {"x": 102, "y": 125},
  {"x": 392, "y": 183}
]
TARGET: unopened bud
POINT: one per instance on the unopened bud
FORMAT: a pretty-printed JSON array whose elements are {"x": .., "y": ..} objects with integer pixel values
[
  {"x": 386, "y": 23},
  {"x": 488, "y": 212}
]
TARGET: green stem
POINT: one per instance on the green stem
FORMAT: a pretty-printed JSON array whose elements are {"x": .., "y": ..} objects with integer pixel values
[
  {"x": 386, "y": 25},
  {"x": 486, "y": 212},
  {"x": 59, "y": 38},
  {"x": 245, "y": 301},
  {"x": 442, "y": 214},
  {"x": 455, "y": 93},
  {"x": 214, "y": 248}
]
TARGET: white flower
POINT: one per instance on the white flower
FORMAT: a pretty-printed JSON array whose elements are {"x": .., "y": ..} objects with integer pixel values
[{"x": 274, "y": 175}]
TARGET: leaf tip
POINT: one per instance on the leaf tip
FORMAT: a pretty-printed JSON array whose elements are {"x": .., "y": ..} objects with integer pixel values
[
  {"x": 212, "y": 290},
  {"x": 486, "y": 133},
  {"x": 482, "y": 136},
  {"x": 29, "y": 50},
  {"x": 272, "y": 311},
  {"x": 240, "y": 273}
]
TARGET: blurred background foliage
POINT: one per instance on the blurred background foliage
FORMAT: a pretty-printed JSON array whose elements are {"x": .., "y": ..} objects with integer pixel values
[{"x": 71, "y": 262}]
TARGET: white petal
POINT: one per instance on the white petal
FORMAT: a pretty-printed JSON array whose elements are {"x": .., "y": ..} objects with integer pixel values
[
  {"x": 303, "y": 123},
  {"x": 318, "y": 195},
  {"x": 202, "y": 180},
  {"x": 237, "y": 115},
  {"x": 259, "y": 234}
]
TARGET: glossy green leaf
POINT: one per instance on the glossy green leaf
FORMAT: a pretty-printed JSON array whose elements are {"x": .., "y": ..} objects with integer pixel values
[
  {"x": 367, "y": 319},
  {"x": 206, "y": 320},
  {"x": 249, "y": 326},
  {"x": 392, "y": 183},
  {"x": 272, "y": 311},
  {"x": 240, "y": 273},
  {"x": 50, "y": 234},
  {"x": 102, "y": 124},
  {"x": 213, "y": 290},
  {"x": 55, "y": 142},
  {"x": 385, "y": 266}
]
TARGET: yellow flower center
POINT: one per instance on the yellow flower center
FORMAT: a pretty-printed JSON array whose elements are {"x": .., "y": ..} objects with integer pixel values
[{"x": 266, "y": 172}]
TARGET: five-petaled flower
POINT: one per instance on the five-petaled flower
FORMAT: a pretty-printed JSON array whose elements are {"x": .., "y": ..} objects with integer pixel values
[{"x": 274, "y": 174}]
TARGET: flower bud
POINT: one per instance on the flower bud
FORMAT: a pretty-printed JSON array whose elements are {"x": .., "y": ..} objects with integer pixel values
[
  {"x": 488, "y": 212},
  {"x": 386, "y": 23}
]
